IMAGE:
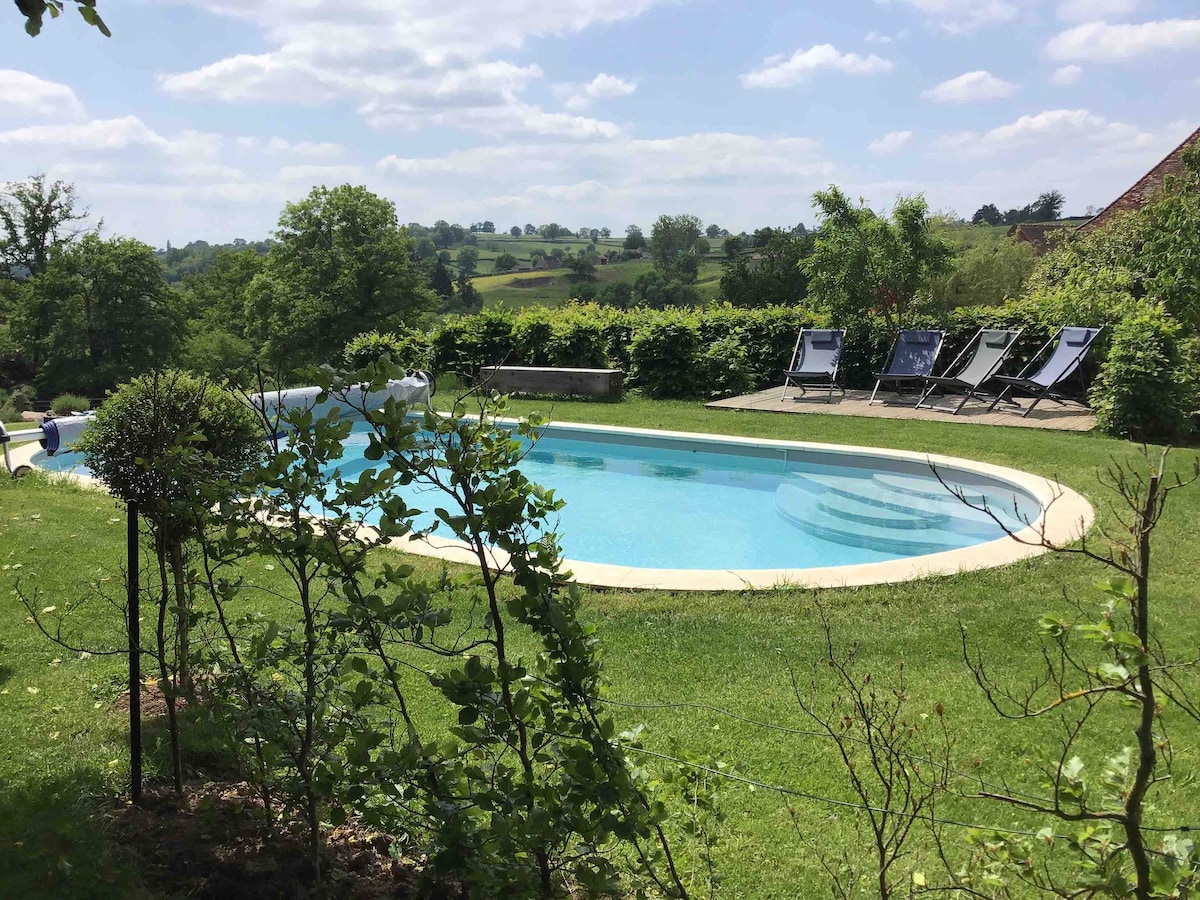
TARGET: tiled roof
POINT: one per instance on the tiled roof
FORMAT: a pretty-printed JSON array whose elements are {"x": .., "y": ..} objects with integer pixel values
[
  {"x": 1144, "y": 189},
  {"x": 1038, "y": 233}
]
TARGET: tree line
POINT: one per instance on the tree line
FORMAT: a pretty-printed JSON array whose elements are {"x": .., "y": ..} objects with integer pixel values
[{"x": 81, "y": 312}]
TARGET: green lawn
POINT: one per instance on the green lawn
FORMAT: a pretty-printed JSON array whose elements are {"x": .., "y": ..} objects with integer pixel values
[{"x": 61, "y": 751}]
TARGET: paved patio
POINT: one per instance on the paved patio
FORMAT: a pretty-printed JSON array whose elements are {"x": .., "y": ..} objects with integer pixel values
[{"x": 1047, "y": 415}]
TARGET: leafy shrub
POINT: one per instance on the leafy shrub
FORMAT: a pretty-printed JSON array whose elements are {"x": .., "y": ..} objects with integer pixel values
[
  {"x": 65, "y": 404},
  {"x": 22, "y": 398},
  {"x": 409, "y": 349},
  {"x": 8, "y": 412},
  {"x": 663, "y": 356},
  {"x": 158, "y": 438},
  {"x": 726, "y": 368},
  {"x": 217, "y": 354},
  {"x": 1147, "y": 387},
  {"x": 531, "y": 338},
  {"x": 577, "y": 340},
  {"x": 465, "y": 343}
]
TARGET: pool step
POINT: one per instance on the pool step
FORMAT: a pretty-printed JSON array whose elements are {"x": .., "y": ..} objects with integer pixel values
[
  {"x": 927, "y": 488},
  {"x": 898, "y": 535},
  {"x": 868, "y": 512},
  {"x": 875, "y": 493}
]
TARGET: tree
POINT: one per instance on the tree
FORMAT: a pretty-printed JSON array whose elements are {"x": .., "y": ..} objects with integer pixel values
[
  {"x": 425, "y": 248},
  {"x": 487, "y": 227},
  {"x": 99, "y": 314},
  {"x": 35, "y": 10},
  {"x": 776, "y": 277},
  {"x": 530, "y": 230},
  {"x": 468, "y": 260},
  {"x": 987, "y": 214},
  {"x": 762, "y": 237},
  {"x": 986, "y": 273},
  {"x": 634, "y": 239},
  {"x": 552, "y": 231},
  {"x": 341, "y": 265},
  {"x": 37, "y": 221},
  {"x": 594, "y": 235},
  {"x": 1103, "y": 671},
  {"x": 1048, "y": 206},
  {"x": 214, "y": 303},
  {"x": 656, "y": 290},
  {"x": 162, "y": 441},
  {"x": 582, "y": 265},
  {"x": 863, "y": 263},
  {"x": 504, "y": 263},
  {"x": 443, "y": 234},
  {"x": 466, "y": 298},
  {"x": 703, "y": 247},
  {"x": 606, "y": 233},
  {"x": 712, "y": 232},
  {"x": 733, "y": 246},
  {"x": 515, "y": 231},
  {"x": 441, "y": 282},
  {"x": 673, "y": 246}
]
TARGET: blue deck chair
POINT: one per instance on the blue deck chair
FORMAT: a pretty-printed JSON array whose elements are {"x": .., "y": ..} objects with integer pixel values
[
  {"x": 1071, "y": 346},
  {"x": 989, "y": 348},
  {"x": 914, "y": 355},
  {"x": 815, "y": 361}
]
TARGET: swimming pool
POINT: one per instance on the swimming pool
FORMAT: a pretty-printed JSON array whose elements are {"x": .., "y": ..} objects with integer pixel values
[{"x": 661, "y": 509}]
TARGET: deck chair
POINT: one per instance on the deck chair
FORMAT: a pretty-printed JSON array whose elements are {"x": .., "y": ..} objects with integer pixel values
[
  {"x": 1071, "y": 346},
  {"x": 913, "y": 356},
  {"x": 988, "y": 350},
  {"x": 815, "y": 361}
]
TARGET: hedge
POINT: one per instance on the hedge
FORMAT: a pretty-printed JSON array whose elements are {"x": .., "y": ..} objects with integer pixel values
[{"x": 721, "y": 350}]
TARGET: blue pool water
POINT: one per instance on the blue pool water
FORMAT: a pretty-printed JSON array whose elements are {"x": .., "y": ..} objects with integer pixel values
[{"x": 661, "y": 503}]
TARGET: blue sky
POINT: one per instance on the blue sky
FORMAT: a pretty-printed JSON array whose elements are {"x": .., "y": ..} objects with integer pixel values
[{"x": 201, "y": 118}]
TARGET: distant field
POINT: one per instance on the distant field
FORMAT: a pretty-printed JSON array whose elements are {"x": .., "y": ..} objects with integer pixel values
[
  {"x": 557, "y": 286},
  {"x": 490, "y": 246}
]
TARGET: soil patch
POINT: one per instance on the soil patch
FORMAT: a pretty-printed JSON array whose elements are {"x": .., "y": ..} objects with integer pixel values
[
  {"x": 154, "y": 702},
  {"x": 213, "y": 844}
]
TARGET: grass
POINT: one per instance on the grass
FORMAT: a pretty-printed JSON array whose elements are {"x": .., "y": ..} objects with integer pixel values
[{"x": 61, "y": 750}]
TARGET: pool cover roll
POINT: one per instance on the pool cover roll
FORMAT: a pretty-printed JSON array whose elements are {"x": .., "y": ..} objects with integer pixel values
[
  {"x": 60, "y": 434},
  {"x": 416, "y": 389}
]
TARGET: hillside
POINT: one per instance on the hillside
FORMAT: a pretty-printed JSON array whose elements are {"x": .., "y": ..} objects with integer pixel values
[{"x": 557, "y": 286}]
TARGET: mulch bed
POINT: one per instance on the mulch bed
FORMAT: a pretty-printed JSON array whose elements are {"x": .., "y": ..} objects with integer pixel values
[{"x": 212, "y": 844}]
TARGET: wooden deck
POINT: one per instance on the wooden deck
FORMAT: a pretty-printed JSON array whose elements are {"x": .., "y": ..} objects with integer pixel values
[{"x": 1048, "y": 415}]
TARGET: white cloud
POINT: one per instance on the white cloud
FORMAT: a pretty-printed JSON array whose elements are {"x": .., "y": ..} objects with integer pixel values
[
  {"x": 626, "y": 160},
  {"x": 1102, "y": 42},
  {"x": 971, "y": 87},
  {"x": 509, "y": 119},
  {"x": 98, "y": 134},
  {"x": 321, "y": 174},
  {"x": 1095, "y": 10},
  {"x": 25, "y": 95},
  {"x": 1050, "y": 131},
  {"x": 1067, "y": 75},
  {"x": 406, "y": 63},
  {"x": 874, "y": 37},
  {"x": 961, "y": 16},
  {"x": 892, "y": 142},
  {"x": 578, "y": 97},
  {"x": 278, "y": 145},
  {"x": 785, "y": 71}
]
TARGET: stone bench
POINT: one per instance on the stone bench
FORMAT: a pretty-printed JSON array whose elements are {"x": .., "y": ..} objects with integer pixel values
[{"x": 552, "y": 380}]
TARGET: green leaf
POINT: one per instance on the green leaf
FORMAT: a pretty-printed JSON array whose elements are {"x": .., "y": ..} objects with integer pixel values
[{"x": 468, "y": 715}]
